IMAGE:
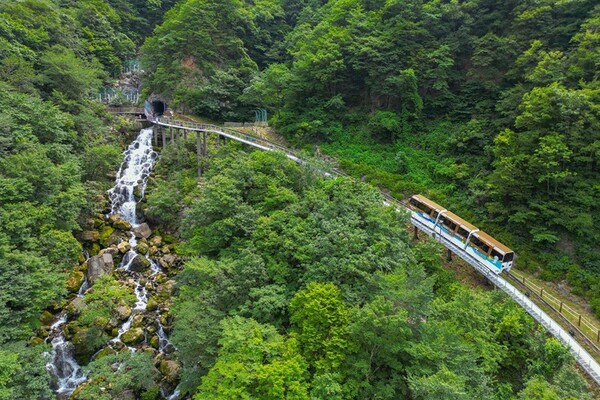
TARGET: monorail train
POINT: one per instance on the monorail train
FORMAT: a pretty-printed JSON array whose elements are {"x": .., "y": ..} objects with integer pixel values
[{"x": 493, "y": 254}]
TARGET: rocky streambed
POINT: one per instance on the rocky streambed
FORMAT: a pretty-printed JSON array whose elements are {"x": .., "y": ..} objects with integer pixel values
[{"x": 121, "y": 289}]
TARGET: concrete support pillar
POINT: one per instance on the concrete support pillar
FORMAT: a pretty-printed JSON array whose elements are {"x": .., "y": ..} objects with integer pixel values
[
  {"x": 218, "y": 141},
  {"x": 178, "y": 142},
  {"x": 449, "y": 256},
  {"x": 164, "y": 137},
  {"x": 171, "y": 131},
  {"x": 416, "y": 234},
  {"x": 205, "y": 149},
  {"x": 199, "y": 154},
  {"x": 155, "y": 132}
]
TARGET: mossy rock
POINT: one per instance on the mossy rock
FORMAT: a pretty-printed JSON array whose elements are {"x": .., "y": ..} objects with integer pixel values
[
  {"x": 95, "y": 249},
  {"x": 35, "y": 341},
  {"x": 86, "y": 342},
  {"x": 152, "y": 304},
  {"x": 75, "y": 281},
  {"x": 107, "y": 351},
  {"x": 154, "y": 341},
  {"x": 47, "y": 318},
  {"x": 101, "y": 322},
  {"x": 105, "y": 235},
  {"x": 170, "y": 369},
  {"x": 133, "y": 336},
  {"x": 142, "y": 248}
]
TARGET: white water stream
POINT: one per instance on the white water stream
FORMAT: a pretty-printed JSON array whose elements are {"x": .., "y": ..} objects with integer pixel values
[{"x": 132, "y": 177}]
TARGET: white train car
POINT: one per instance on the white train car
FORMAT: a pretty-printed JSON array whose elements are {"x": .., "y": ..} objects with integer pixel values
[{"x": 494, "y": 255}]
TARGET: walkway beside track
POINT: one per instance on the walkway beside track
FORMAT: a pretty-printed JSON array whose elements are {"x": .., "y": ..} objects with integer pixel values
[{"x": 583, "y": 358}]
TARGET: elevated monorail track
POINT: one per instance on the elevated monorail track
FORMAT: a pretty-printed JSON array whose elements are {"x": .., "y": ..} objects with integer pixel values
[{"x": 583, "y": 358}]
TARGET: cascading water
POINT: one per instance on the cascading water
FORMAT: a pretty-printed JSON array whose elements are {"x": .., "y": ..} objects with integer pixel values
[
  {"x": 131, "y": 182},
  {"x": 137, "y": 164},
  {"x": 132, "y": 177},
  {"x": 61, "y": 363}
]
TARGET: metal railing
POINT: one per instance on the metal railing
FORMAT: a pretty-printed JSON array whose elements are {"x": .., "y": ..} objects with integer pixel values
[
  {"x": 585, "y": 326},
  {"x": 584, "y": 359}
]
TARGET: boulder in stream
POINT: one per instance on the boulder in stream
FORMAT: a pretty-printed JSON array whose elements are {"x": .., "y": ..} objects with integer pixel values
[
  {"x": 99, "y": 265},
  {"x": 142, "y": 231},
  {"x": 75, "y": 281},
  {"x": 139, "y": 264},
  {"x": 124, "y": 247},
  {"x": 170, "y": 369},
  {"x": 133, "y": 336},
  {"x": 123, "y": 312},
  {"x": 119, "y": 223}
]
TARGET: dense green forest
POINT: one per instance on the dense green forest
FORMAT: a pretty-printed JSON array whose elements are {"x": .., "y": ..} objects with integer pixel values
[
  {"x": 489, "y": 107},
  {"x": 294, "y": 286},
  {"x": 298, "y": 287},
  {"x": 55, "y": 153}
]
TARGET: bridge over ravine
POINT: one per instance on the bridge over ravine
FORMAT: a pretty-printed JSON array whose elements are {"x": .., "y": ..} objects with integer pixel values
[{"x": 583, "y": 358}]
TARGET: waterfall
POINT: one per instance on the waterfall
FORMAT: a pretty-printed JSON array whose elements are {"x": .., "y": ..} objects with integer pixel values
[
  {"x": 137, "y": 164},
  {"x": 132, "y": 177},
  {"x": 61, "y": 361}
]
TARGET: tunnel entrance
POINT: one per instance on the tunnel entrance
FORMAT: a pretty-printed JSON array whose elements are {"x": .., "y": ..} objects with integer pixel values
[{"x": 158, "y": 108}]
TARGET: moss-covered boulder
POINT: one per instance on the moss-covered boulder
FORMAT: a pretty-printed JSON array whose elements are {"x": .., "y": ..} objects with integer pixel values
[
  {"x": 75, "y": 281},
  {"x": 119, "y": 223},
  {"x": 124, "y": 247},
  {"x": 90, "y": 236},
  {"x": 123, "y": 312},
  {"x": 86, "y": 342},
  {"x": 133, "y": 336},
  {"x": 170, "y": 370},
  {"x": 152, "y": 304},
  {"x": 142, "y": 248},
  {"x": 107, "y": 351},
  {"x": 47, "y": 318},
  {"x": 105, "y": 235},
  {"x": 139, "y": 264},
  {"x": 154, "y": 341}
]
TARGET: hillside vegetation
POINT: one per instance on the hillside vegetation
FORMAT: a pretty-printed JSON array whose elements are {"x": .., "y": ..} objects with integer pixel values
[
  {"x": 55, "y": 153},
  {"x": 490, "y": 107},
  {"x": 299, "y": 287}
]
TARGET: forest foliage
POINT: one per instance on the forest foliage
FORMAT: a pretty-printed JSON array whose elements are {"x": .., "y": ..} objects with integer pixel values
[
  {"x": 488, "y": 106},
  {"x": 55, "y": 154},
  {"x": 300, "y": 287}
]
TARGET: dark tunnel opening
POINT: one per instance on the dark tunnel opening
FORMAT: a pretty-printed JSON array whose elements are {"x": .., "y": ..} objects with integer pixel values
[{"x": 158, "y": 107}]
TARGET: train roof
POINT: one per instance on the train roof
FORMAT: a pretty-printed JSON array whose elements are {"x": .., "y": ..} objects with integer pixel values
[
  {"x": 491, "y": 241},
  {"x": 458, "y": 220},
  {"x": 428, "y": 202}
]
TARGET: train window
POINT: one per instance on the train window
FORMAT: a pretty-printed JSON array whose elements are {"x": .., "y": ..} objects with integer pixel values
[
  {"x": 496, "y": 253},
  {"x": 462, "y": 232},
  {"x": 448, "y": 223},
  {"x": 421, "y": 206},
  {"x": 508, "y": 257},
  {"x": 481, "y": 245}
]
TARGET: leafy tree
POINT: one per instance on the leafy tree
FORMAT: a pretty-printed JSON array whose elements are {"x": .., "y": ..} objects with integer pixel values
[{"x": 121, "y": 374}]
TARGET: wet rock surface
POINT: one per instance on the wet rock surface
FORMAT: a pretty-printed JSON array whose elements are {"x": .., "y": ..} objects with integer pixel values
[{"x": 99, "y": 265}]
